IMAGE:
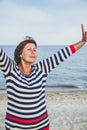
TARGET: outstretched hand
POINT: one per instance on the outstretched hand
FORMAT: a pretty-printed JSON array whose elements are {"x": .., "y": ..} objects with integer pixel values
[{"x": 84, "y": 34}]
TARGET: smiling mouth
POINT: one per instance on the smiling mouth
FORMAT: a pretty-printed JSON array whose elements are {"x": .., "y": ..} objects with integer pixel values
[{"x": 32, "y": 56}]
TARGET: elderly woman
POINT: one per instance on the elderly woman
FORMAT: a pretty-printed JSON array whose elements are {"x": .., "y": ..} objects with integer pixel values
[{"x": 26, "y": 81}]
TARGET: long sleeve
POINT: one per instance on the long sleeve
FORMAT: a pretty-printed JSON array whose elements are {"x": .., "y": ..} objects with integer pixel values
[
  {"x": 5, "y": 62},
  {"x": 50, "y": 63}
]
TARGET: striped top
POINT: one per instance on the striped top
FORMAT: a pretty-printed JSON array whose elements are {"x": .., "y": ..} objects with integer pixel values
[{"x": 26, "y": 106}]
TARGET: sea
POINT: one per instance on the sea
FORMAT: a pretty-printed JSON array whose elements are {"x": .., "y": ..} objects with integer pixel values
[{"x": 70, "y": 74}]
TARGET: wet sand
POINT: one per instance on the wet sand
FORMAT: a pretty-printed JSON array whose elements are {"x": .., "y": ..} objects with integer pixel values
[{"x": 67, "y": 109}]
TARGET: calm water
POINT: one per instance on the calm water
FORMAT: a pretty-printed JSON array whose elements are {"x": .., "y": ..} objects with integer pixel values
[{"x": 71, "y": 73}]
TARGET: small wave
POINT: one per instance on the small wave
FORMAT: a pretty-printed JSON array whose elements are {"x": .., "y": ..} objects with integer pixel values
[{"x": 63, "y": 86}]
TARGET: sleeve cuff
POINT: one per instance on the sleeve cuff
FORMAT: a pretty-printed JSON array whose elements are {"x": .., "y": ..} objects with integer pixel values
[{"x": 72, "y": 48}]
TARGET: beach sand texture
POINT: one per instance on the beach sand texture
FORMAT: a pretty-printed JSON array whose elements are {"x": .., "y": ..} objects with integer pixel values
[{"x": 67, "y": 109}]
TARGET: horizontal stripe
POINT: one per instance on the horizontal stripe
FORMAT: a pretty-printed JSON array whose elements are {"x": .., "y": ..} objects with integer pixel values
[
  {"x": 26, "y": 105},
  {"x": 17, "y": 126},
  {"x": 26, "y": 121},
  {"x": 25, "y": 102},
  {"x": 33, "y": 95},
  {"x": 35, "y": 115},
  {"x": 28, "y": 110}
]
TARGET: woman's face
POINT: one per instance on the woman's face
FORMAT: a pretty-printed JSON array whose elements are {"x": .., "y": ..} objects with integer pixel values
[{"x": 29, "y": 53}]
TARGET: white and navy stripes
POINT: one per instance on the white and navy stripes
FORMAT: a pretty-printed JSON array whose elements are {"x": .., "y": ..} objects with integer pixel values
[{"x": 26, "y": 106}]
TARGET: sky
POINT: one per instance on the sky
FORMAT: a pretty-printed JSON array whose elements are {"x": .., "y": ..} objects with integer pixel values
[{"x": 49, "y": 22}]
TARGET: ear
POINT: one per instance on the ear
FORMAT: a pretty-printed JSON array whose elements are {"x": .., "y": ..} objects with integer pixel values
[{"x": 20, "y": 56}]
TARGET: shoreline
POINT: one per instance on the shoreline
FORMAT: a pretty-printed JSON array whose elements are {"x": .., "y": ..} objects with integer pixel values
[
  {"x": 55, "y": 89},
  {"x": 67, "y": 109}
]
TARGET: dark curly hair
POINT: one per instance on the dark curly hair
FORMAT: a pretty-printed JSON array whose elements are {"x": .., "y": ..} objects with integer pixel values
[{"x": 20, "y": 47}]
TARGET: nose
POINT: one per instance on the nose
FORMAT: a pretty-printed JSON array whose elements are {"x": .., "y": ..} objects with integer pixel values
[{"x": 33, "y": 51}]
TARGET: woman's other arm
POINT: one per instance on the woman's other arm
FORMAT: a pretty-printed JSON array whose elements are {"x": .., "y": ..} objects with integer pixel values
[
  {"x": 50, "y": 63},
  {"x": 5, "y": 62}
]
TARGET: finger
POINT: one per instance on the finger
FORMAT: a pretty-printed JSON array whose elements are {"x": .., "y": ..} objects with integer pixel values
[
  {"x": 82, "y": 27},
  {"x": 86, "y": 34}
]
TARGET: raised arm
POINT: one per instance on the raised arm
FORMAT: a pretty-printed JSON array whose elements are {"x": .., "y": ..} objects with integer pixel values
[
  {"x": 53, "y": 61},
  {"x": 79, "y": 44},
  {"x": 5, "y": 62},
  {"x": 48, "y": 64}
]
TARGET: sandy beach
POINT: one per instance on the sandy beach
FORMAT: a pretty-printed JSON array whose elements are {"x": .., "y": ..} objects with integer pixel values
[{"x": 67, "y": 109}]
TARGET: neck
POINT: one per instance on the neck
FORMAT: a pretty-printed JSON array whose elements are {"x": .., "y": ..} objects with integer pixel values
[{"x": 25, "y": 68}]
